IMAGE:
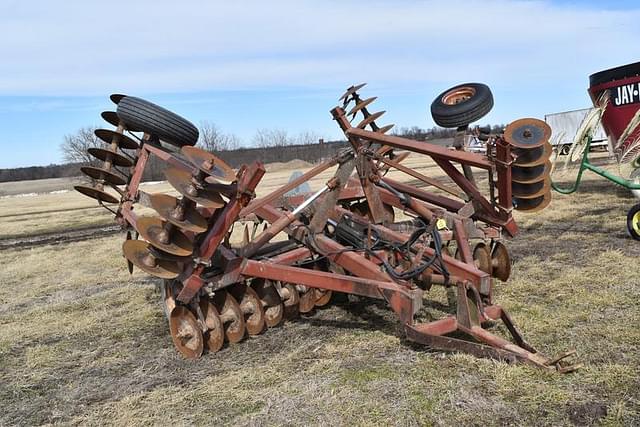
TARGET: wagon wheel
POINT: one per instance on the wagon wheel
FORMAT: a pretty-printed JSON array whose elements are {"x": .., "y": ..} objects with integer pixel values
[{"x": 186, "y": 333}]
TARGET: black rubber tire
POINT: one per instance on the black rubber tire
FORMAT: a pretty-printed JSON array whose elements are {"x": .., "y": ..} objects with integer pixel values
[
  {"x": 150, "y": 118},
  {"x": 565, "y": 150},
  {"x": 635, "y": 210},
  {"x": 465, "y": 112}
]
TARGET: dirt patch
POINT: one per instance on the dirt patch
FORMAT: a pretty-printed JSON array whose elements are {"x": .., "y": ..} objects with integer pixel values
[{"x": 292, "y": 164}]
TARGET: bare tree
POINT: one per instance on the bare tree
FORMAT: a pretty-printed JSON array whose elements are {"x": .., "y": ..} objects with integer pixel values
[
  {"x": 213, "y": 139},
  {"x": 307, "y": 137},
  {"x": 74, "y": 147},
  {"x": 271, "y": 138}
]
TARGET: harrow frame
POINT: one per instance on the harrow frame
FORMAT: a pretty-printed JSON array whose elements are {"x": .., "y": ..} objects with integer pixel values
[{"x": 217, "y": 266}]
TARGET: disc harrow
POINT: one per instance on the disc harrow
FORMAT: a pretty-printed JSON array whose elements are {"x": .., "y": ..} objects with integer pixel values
[{"x": 295, "y": 253}]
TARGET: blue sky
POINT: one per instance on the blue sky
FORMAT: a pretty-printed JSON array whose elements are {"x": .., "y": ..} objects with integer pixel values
[{"x": 246, "y": 65}]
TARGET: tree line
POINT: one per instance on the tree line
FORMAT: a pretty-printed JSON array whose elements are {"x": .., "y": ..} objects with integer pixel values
[{"x": 267, "y": 145}]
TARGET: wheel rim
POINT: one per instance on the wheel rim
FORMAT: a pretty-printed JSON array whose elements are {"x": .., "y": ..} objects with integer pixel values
[
  {"x": 458, "y": 95},
  {"x": 635, "y": 222}
]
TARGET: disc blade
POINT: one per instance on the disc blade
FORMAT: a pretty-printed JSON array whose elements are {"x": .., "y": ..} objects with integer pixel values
[
  {"x": 532, "y": 190},
  {"x": 208, "y": 163},
  {"x": 360, "y": 105},
  {"x": 129, "y": 263},
  {"x": 370, "y": 119},
  {"x": 138, "y": 253},
  {"x": 307, "y": 300},
  {"x": 214, "y": 336},
  {"x": 351, "y": 91},
  {"x": 322, "y": 296},
  {"x": 103, "y": 175},
  {"x": 153, "y": 230},
  {"x": 231, "y": 316},
  {"x": 95, "y": 193},
  {"x": 532, "y": 156},
  {"x": 251, "y": 307},
  {"x": 116, "y": 159},
  {"x": 181, "y": 181},
  {"x": 532, "y": 205},
  {"x": 190, "y": 220},
  {"x": 529, "y": 174},
  {"x": 501, "y": 261},
  {"x": 527, "y": 133},
  {"x": 482, "y": 257},
  {"x": 110, "y": 136},
  {"x": 186, "y": 333},
  {"x": 271, "y": 302},
  {"x": 111, "y": 117},
  {"x": 385, "y": 129}
]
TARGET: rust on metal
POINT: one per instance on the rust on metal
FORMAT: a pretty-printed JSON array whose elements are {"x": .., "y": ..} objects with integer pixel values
[{"x": 344, "y": 238}]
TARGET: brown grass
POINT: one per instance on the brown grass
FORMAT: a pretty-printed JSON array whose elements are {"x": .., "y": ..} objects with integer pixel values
[{"x": 81, "y": 342}]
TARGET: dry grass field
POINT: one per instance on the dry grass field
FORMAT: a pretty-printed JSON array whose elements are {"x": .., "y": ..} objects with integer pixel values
[{"x": 82, "y": 342}]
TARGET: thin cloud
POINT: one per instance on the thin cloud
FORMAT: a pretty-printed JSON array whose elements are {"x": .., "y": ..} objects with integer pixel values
[{"x": 88, "y": 48}]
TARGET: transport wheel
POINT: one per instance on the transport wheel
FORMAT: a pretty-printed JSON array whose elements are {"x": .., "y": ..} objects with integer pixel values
[
  {"x": 565, "y": 150},
  {"x": 461, "y": 105},
  {"x": 633, "y": 222},
  {"x": 150, "y": 118}
]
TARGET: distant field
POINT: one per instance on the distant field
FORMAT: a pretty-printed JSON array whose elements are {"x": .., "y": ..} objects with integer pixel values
[{"x": 82, "y": 342}]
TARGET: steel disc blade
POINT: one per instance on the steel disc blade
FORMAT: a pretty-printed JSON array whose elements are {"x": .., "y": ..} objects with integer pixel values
[
  {"x": 186, "y": 333},
  {"x": 360, "y": 105},
  {"x": 111, "y": 117},
  {"x": 532, "y": 205},
  {"x": 231, "y": 316},
  {"x": 271, "y": 302},
  {"x": 533, "y": 156},
  {"x": 322, "y": 296},
  {"x": 95, "y": 193},
  {"x": 110, "y": 136},
  {"x": 208, "y": 163},
  {"x": 529, "y": 174},
  {"x": 527, "y": 133},
  {"x": 482, "y": 257},
  {"x": 370, "y": 119},
  {"x": 251, "y": 307},
  {"x": 351, "y": 91},
  {"x": 307, "y": 300},
  {"x": 181, "y": 181},
  {"x": 138, "y": 253},
  {"x": 501, "y": 262},
  {"x": 116, "y": 97},
  {"x": 385, "y": 129},
  {"x": 190, "y": 220},
  {"x": 103, "y": 175},
  {"x": 214, "y": 337},
  {"x": 153, "y": 230},
  {"x": 531, "y": 190},
  {"x": 117, "y": 159}
]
